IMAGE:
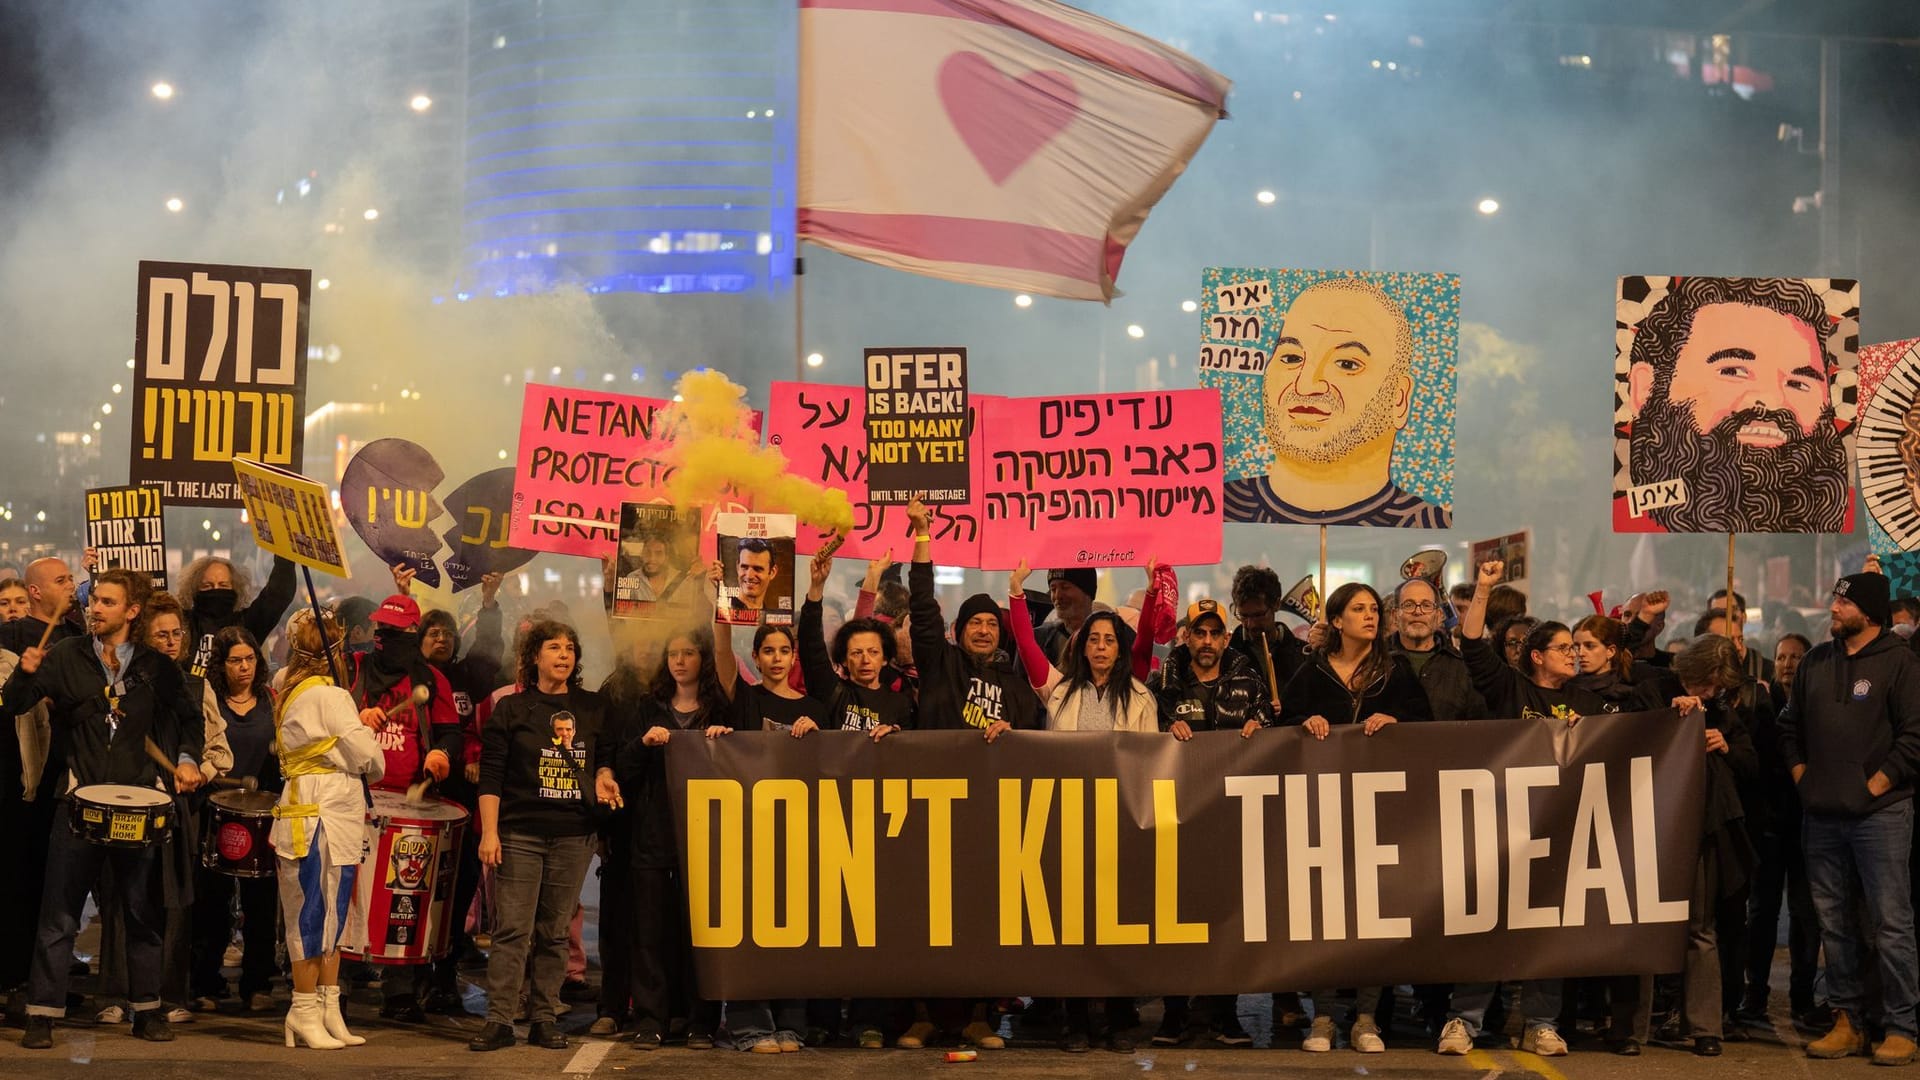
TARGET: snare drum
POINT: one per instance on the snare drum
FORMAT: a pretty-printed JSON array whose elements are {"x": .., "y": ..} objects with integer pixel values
[
  {"x": 120, "y": 815},
  {"x": 238, "y": 826},
  {"x": 403, "y": 896}
]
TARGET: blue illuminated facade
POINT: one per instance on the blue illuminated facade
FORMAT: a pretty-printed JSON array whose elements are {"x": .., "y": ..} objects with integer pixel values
[{"x": 628, "y": 146}]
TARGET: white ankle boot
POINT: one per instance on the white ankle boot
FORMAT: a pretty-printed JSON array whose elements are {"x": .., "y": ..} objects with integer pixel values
[
  {"x": 306, "y": 1021},
  {"x": 336, "y": 1023}
]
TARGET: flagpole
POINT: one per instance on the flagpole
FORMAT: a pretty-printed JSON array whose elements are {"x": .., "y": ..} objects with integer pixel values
[{"x": 799, "y": 316}]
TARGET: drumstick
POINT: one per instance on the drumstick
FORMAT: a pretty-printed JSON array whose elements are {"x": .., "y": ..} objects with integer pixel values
[
  {"x": 416, "y": 792},
  {"x": 419, "y": 698},
  {"x": 241, "y": 783},
  {"x": 57, "y": 616},
  {"x": 159, "y": 758}
]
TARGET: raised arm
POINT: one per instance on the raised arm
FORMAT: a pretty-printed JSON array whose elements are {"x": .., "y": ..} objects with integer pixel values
[
  {"x": 1156, "y": 610},
  {"x": 272, "y": 602},
  {"x": 725, "y": 663},
  {"x": 870, "y": 585},
  {"x": 1473, "y": 621},
  {"x": 1041, "y": 674},
  {"x": 815, "y": 663}
]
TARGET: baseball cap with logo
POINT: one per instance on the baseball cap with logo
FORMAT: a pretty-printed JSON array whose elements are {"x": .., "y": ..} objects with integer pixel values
[
  {"x": 1205, "y": 608},
  {"x": 399, "y": 612}
]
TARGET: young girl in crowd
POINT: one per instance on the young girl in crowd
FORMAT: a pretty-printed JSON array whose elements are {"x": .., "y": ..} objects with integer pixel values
[{"x": 1354, "y": 680}]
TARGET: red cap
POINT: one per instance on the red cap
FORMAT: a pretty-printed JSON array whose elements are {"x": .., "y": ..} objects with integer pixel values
[{"x": 399, "y": 612}]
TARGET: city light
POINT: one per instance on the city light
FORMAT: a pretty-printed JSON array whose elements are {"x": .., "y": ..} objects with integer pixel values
[
  {"x": 420, "y": 103},
  {"x": 1264, "y": 197},
  {"x": 1189, "y": 306},
  {"x": 323, "y": 283},
  {"x": 371, "y": 214},
  {"x": 814, "y": 359},
  {"x": 1023, "y": 301},
  {"x": 216, "y": 534},
  {"x": 117, "y": 388},
  {"x": 1489, "y": 207},
  {"x": 174, "y": 205},
  {"x": 163, "y": 91},
  {"x": 41, "y": 516},
  {"x": 502, "y": 455},
  {"x": 1135, "y": 330},
  {"x": 205, "y": 524},
  {"x": 106, "y": 407}
]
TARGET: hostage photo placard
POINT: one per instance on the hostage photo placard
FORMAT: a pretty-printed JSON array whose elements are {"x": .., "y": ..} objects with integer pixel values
[
  {"x": 917, "y": 425},
  {"x": 220, "y": 371}
]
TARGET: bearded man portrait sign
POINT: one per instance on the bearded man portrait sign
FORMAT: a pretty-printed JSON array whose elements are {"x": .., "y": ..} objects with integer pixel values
[
  {"x": 1337, "y": 393},
  {"x": 1734, "y": 404}
]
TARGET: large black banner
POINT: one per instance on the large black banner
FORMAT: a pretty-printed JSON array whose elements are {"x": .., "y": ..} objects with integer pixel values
[
  {"x": 220, "y": 371},
  {"x": 1070, "y": 863}
]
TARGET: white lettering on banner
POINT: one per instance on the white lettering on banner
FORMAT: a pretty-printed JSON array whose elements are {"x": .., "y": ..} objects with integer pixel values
[
  {"x": 1303, "y": 857},
  {"x": 1253, "y": 792},
  {"x": 1646, "y": 850},
  {"x": 1369, "y": 855},
  {"x": 1481, "y": 912},
  {"x": 1593, "y": 835},
  {"x": 1656, "y": 496},
  {"x": 1523, "y": 848}
]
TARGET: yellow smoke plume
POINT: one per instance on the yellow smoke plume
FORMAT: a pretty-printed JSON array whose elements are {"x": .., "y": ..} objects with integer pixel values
[{"x": 714, "y": 450}]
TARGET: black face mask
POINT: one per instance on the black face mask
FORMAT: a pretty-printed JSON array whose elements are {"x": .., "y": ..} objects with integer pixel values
[
  {"x": 397, "y": 646},
  {"x": 215, "y": 603}
]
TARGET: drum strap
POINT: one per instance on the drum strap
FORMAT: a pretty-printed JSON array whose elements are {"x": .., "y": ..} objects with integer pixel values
[{"x": 307, "y": 760}]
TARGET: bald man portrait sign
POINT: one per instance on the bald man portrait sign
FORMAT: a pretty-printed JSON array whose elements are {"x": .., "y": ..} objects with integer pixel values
[
  {"x": 1734, "y": 404},
  {"x": 1338, "y": 394}
]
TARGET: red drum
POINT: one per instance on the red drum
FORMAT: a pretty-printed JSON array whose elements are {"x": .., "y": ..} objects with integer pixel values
[
  {"x": 239, "y": 824},
  {"x": 403, "y": 895}
]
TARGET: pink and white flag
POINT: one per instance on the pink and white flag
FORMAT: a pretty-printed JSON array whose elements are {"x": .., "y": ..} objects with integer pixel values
[{"x": 1017, "y": 144}]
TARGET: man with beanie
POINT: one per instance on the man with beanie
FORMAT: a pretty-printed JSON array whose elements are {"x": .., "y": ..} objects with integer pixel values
[
  {"x": 417, "y": 743},
  {"x": 1204, "y": 686},
  {"x": 969, "y": 682},
  {"x": 1850, "y": 736},
  {"x": 1072, "y": 593}
]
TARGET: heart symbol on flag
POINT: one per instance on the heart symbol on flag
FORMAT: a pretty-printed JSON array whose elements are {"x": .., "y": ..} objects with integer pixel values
[{"x": 1003, "y": 120}]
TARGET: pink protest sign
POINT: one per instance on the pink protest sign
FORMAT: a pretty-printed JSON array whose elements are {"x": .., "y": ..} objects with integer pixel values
[
  {"x": 1102, "y": 480},
  {"x": 582, "y": 454},
  {"x": 822, "y": 431}
]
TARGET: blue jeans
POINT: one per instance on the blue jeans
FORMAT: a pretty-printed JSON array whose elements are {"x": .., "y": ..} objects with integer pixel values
[
  {"x": 1865, "y": 858},
  {"x": 73, "y": 870}
]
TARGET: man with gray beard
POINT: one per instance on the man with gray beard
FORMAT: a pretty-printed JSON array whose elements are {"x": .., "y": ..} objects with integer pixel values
[
  {"x": 1337, "y": 393},
  {"x": 1731, "y": 388}
]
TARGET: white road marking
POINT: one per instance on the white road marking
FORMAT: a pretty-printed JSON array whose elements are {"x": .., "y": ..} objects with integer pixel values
[{"x": 588, "y": 1058}]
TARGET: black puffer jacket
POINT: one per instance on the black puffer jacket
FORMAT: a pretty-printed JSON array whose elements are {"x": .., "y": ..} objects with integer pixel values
[
  {"x": 1316, "y": 690},
  {"x": 1239, "y": 694},
  {"x": 957, "y": 691}
]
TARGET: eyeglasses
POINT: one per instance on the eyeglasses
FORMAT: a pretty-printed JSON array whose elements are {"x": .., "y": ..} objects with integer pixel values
[
  {"x": 170, "y": 635},
  {"x": 1419, "y": 607},
  {"x": 1563, "y": 650},
  {"x": 243, "y": 659}
]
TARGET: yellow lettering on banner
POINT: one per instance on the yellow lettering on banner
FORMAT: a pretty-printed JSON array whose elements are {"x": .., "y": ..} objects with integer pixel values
[
  {"x": 1073, "y": 862},
  {"x": 1304, "y": 856},
  {"x": 1167, "y": 927},
  {"x": 706, "y": 931},
  {"x": 771, "y": 797},
  {"x": 846, "y": 864},
  {"x": 1107, "y": 927},
  {"x": 940, "y": 795},
  {"x": 1023, "y": 887}
]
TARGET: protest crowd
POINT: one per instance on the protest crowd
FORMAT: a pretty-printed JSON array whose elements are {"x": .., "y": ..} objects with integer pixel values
[{"x": 1810, "y": 754}]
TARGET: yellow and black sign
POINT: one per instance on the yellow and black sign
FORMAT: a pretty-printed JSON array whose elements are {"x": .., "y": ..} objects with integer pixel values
[
  {"x": 1083, "y": 863},
  {"x": 220, "y": 371}
]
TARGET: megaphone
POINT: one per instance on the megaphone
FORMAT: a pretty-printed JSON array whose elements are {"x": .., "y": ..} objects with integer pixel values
[{"x": 1431, "y": 565}]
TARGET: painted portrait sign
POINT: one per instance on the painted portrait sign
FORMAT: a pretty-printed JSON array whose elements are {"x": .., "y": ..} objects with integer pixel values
[
  {"x": 1337, "y": 389},
  {"x": 1734, "y": 403},
  {"x": 1888, "y": 444}
]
